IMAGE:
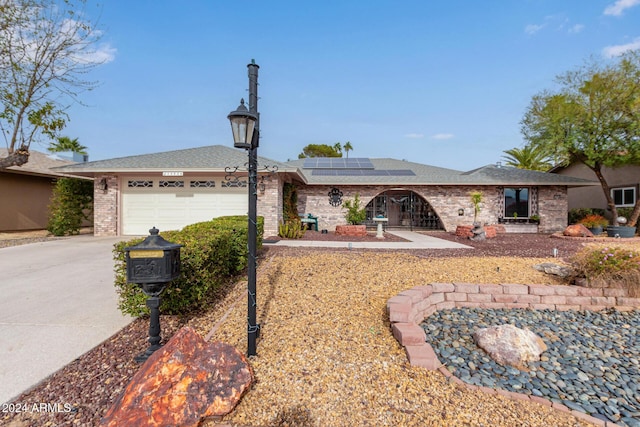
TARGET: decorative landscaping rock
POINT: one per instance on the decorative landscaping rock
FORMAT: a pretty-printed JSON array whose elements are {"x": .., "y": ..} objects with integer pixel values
[
  {"x": 351, "y": 230},
  {"x": 478, "y": 233},
  {"x": 490, "y": 231},
  {"x": 577, "y": 230},
  {"x": 555, "y": 269},
  {"x": 509, "y": 345},
  {"x": 182, "y": 383}
]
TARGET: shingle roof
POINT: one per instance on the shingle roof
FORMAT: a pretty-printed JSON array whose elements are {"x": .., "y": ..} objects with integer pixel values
[
  {"x": 40, "y": 164},
  {"x": 432, "y": 175},
  {"x": 213, "y": 158},
  {"x": 216, "y": 158}
]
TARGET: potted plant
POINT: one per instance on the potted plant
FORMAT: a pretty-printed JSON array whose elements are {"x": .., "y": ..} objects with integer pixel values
[
  {"x": 354, "y": 216},
  {"x": 595, "y": 223},
  {"x": 620, "y": 229}
]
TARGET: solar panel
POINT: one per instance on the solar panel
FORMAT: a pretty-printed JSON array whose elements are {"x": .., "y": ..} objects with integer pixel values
[
  {"x": 337, "y": 163},
  {"x": 362, "y": 172}
]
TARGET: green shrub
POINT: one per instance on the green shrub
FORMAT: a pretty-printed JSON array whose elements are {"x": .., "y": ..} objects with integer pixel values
[
  {"x": 576, "y": 214},
  {"x": 239, "y": 225},
  {"x": 71, "y": 204},
  {"x": 292, "y": 229},
  {"x": 604, "y": 266},
  {"x": 213, "y": 252},
  {"x": 289, "y": 202},
  {"x": 355, "y": 214}
]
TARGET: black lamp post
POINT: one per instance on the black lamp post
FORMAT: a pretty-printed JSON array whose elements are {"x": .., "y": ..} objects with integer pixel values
[{"x": 246, "y": 134}]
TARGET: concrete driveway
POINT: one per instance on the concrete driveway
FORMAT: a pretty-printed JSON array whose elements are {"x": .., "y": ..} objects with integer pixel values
[{"x": 57, "y": 301}]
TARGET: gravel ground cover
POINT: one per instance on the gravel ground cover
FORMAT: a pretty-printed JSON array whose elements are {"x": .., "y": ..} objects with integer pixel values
[
  {"x": 592, "y": 363},
  {"x": 326, "y": 355}
]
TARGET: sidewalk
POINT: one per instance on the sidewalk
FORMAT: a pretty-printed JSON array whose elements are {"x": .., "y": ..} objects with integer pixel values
[{"x": 414, "y": 241}]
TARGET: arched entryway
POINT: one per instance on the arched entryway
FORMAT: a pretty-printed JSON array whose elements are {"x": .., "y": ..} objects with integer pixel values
[{"x": 403, "y": 208}]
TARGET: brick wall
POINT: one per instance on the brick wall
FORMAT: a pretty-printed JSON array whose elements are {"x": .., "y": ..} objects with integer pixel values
[
  {"x": 553, "y": 207},
  {"x": 270, "y": 205},
  {"x": 105, "y": 207},
  {"x": 409, "y": 308},
  {"x": 445, "y": 200}
]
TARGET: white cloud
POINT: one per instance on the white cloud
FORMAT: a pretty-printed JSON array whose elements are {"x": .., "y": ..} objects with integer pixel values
[
  {"x": 442, "y": 136},
  {"x": 576, "y": 29},
  {"x": 533, "y": 28},
  {"x": 414, "y": 135},
  {"x": 612, "y": 51},
  {"x": 619, "y": 7}
]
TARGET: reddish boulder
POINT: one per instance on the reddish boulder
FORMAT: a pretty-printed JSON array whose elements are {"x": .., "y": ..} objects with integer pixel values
[
  {"x": 577, "y": 230},
  {"x": 351, "y": 230},
  {"x": 182, "y": 383},
  {"x": 509, "y": 345},
  {"x": 466, "y": 231}
]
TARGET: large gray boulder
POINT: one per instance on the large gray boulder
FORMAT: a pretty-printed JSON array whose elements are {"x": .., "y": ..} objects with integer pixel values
[{"x": 509, "y": 345}]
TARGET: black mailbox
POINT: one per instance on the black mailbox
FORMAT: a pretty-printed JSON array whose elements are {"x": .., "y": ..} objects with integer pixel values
[
  {"x": 153, "y": 261},
  {"x": 152, "y": 265}
]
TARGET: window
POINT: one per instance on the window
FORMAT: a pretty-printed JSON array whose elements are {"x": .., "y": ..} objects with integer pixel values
[
  {"x": 516, "y": 202},
  {"x": 171, "y": 184},
  {"x": 139, "y": 183},
  {"x": 624, "y": 196}
]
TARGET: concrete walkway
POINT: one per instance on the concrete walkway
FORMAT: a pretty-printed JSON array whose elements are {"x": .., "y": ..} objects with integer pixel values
[
  {"x": 415, "y": 241},
  {"x": 58, "y": 302}
]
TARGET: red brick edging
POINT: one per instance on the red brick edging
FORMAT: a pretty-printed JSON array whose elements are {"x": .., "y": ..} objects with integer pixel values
[{"x": 409, "y": 308}]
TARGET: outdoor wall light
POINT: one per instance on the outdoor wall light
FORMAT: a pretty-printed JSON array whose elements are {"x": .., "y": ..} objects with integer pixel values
[
  {"x": 460, "y": 212},
  {"x": 102, "y": 185},
  {"x": 262, "y": 186}
]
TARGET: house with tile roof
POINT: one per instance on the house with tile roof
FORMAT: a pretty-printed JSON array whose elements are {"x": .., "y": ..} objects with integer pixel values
[
  {"x": 25, "y": 191},
  {"x": 172, "y": 189}
]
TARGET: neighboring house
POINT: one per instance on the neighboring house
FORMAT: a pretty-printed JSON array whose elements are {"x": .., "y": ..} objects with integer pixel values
[
  {"x": 624, "y": 183},
  {"x": 25, "y": 191},
  {"x": 172, "y": 189}
]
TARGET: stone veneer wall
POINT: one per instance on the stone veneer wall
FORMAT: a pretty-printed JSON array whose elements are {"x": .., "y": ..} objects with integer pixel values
[
  {"x": 105, "y": 207},
  {"x": 446, "y": 200},
  {"x": 409, "y": 308},
  {"x": 270, "y": 205},
  {"x": 553, "y": 208}
]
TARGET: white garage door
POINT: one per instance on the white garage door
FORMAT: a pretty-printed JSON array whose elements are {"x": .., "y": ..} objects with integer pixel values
[{"x": 170, "y": 203}]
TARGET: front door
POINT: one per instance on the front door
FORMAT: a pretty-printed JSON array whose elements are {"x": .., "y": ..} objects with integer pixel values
[{"x": 403, "y": 208}]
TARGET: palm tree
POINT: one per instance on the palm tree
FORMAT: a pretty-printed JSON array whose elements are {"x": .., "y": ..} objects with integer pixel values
[
  {"x": 527, "y": 157},
  {"x": 65, "y": 143},
  {"x": 347, "y": 147},
  {"x": 338, "y": 148}
]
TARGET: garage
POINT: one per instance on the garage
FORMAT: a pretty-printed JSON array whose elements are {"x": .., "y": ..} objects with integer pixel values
[{"x": 170, "y": 203}]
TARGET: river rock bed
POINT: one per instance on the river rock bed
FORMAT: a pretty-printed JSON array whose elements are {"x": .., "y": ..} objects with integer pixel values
[{"x": 592, "y": 363}]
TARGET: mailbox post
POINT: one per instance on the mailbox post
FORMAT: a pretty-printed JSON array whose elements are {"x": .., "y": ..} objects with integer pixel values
[{"x": 151, "y": 265}]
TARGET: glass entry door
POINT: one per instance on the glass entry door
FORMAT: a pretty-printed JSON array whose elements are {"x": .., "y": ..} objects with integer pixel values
[{"x": 403, "y": 208}]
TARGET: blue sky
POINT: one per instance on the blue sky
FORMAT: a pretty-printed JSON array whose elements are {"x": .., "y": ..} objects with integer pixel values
[{"x": 444, "y": 83}]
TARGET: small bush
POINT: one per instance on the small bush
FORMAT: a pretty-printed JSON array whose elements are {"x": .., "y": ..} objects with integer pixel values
[
  {"x": 593, "y": 220},
  {"x": 575, "y": 215},
  {"x": 355, "y": 214},
  {"x": 213, "y": 252},
  {"x": 604, "y": 266},
  {"x": 71, "y": 204},
  {"x": 292, "y": 229}
]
